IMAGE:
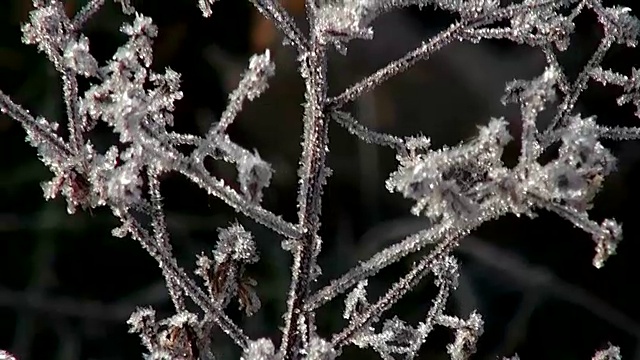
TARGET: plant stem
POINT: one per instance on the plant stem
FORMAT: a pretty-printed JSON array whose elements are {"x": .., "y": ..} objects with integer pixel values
[{"x": 312, "y": 173}]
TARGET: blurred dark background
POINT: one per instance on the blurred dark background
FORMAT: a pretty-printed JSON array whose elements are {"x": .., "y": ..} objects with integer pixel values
[{"x": 67, "y": 287}]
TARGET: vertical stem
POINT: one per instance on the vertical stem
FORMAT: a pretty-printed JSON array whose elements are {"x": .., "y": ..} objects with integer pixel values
[
  {"x": 70, "y": 91},
  {"x": 312, "y": 175}
]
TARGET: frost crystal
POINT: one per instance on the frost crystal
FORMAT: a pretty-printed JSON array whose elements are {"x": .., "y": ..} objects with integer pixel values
[
  {"x": 467, "y": 335},
  {"x": 610, "y": 353},
  {"x": 6, "y": 356},
  {"x": 235, "y": 244},
  {"x": 444, "y": 182},
  {"x": 261, "y": 68},
  {"x": 356, "y": 300},
  {"x": 621, "y": 25},
  {"x": 205, "y": 7},
  {"x": 47, "y": 28},
  {"x": 224, "y": 276},
  {"x": 319, "y": 349},
  {"x": 77, "y": 57},
  {"x": 261, "y": 349},
  {"x": 254, "y": 175},
  {"x": 607, "y": 241}
]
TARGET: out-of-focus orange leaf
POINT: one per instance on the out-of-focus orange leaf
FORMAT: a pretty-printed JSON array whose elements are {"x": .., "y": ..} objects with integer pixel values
[
  {"x": 263, "y": 33},
  {"x": 70, "y": 8}
]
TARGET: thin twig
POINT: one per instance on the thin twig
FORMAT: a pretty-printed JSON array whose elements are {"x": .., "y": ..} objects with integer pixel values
[
  {"x": 86, "y": 13},
  {"x": 313, "y": 177},
  {"x": 170, "y": 266},
  {"x": 424, "y": 51},
  {"x": 395, "y": 293}
]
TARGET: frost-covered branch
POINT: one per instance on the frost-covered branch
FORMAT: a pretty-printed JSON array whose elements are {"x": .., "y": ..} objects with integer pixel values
[
  {"x": 313, "y": 173},
  {"x": 458, "y": 31},
  {"x": 177, "y": 275},
  {"x": 458, "y": 188}
]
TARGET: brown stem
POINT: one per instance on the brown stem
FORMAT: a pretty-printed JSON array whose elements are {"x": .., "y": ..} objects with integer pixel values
[{"x": 312, "y": 173}]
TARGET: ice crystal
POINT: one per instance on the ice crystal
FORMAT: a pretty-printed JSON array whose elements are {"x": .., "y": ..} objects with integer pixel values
[
  {"x": 261, "y": 349},
  {"x": 6, "y": 356},
  {"x": 610, "y": 353},
  {"x": 235, "y": 244}
]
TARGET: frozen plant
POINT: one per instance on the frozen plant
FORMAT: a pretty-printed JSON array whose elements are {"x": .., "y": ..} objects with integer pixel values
[
  {"x": 458, "y": 188},
  {"x": 6, "y": 356}
]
